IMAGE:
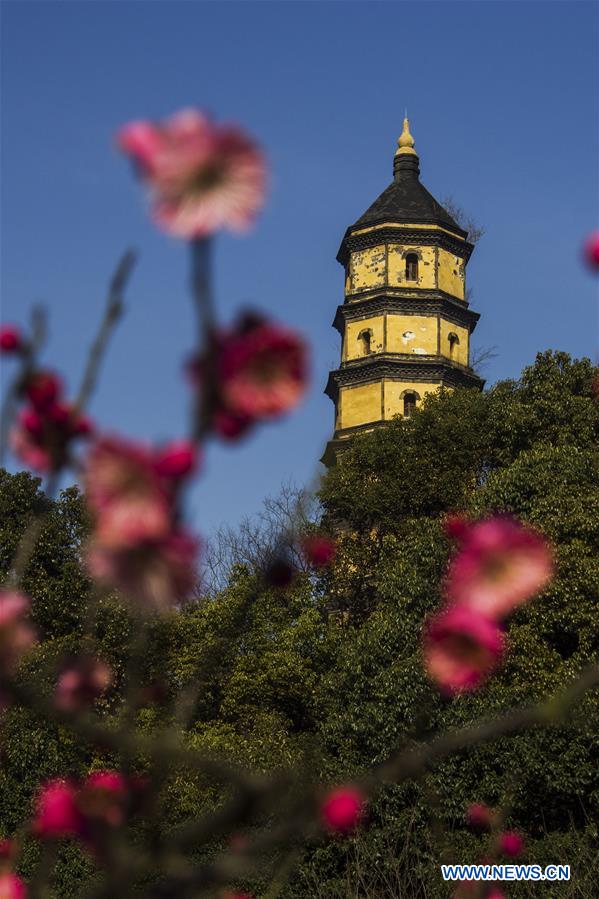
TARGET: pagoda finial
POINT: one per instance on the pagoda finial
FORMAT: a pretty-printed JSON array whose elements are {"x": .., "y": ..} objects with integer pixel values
[{"x": 405, "y": 142}]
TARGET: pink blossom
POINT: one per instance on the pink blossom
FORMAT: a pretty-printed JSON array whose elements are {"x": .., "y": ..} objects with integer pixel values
[
  {"x": 56, "y": 814},
  {"x": 461, "y": 646},
  {"x": 479, "y": 816},
  {"x": 500, "y": 565},
  {"x": 43, "y": 389},
  {"x": 103, "y": 797},
  {"x": 16, "y": 634},
  {"x": 11, "y": 339},
  {"x": 45, "y": 430},
  {"x": 319, "y": 550},
  {"x": 81, "y": 682},
  {"x": 230, "y": 426},
  {"x": 342, "y": 809},
  {"x": 156, "y": 574},
  {"x": 131, "y": 488},
  {"x": 591, "y": 250},
  {"x": 262, "y": 371},
  {"x": 178, "y": 459},
  {"x": 511, "y": 843},
  {"x": 11, "y": 886},
  {"x": 202, "y": 177}
]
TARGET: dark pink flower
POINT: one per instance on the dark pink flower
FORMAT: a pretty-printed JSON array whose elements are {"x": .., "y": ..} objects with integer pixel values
[
  {"x": 43, "y": 389},
  {"x": 461, "y": 647},
  {"x": 262, "y": 371},
  {"x": 81, "y": 682},
  {"x": 230, "y": 426},
  {"x": 342, "y": 809},
  {"x": 510, "y": 843},
  {"x": 479, "y": 816},
  {"x": 500, "y": 565},
  {"x": 591, "y": 250},
  {"x": 456, "y": 526},
  {"x": 12, "y": 887},
  {"x": 155, "y": 574},
  {"x": 103, "y": 797},
  {"x": 16, "y": 634},
  {"x": 42, "y": 436},
  {"x": 319, "y": 550},
  {"x": 11, "y": 339},
  {"x": 202, "y": 177},
  {"x": 56, "y": 814},
  {"x": 176, "y": 460},
  {"x": 131, "y": 488}
]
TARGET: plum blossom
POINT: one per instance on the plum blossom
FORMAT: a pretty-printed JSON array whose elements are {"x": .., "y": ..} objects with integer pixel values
[
  {"x": 11, "y": 886},
  {"x": 479, "y": 816},
  {"x": 511, "y": 843},
  {"x": 136, "y": 544},
  {"x": 81, "y": 682},
  {"x": 46, "y": 427},
  {"x": 16, "y": 634},
  {"x": 103, "y": 797},
  {"x": 342, "y": 808},
  {"x": 500, "y": 564},
  {"x": 56, "y": 813},
  {"x": 591, "y": 250},
  {"x": 261, "y": 373},
  {"x": 461, "y": 647},
  {"x": 319, "y": 550},
  {"x": 156, "y": 573},
  {"x": 11, "y": 339},
  {"x": 201, "y": 176}
]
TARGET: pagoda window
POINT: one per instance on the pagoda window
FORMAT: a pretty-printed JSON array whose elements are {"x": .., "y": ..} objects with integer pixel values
[
  {"x": 411, "y": 267},
  {"x": 365, "y": 338},
  {"x": 454, "y": 341},
  {"x": 409, "y": 404}
]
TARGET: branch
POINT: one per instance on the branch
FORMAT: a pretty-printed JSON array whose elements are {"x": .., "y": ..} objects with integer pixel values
[{"x": 114, "y": 310}]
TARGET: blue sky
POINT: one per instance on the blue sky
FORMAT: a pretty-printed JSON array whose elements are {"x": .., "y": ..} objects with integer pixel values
[{"x": 503, "y": 101}]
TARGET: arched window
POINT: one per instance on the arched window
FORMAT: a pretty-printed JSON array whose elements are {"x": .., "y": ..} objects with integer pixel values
[
  {"x": 454, "y": 341},
  {"x": 409, "y": 404},
  {"x": 365, "y": 338},
  {"x": 411, "y": 267}
]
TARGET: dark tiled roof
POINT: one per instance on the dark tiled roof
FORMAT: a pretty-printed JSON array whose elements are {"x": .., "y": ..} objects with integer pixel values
[{"x": 407, "y": 200}]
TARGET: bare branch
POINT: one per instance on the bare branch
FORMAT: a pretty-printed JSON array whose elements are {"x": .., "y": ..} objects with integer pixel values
[{"x": 114, "y": 310}]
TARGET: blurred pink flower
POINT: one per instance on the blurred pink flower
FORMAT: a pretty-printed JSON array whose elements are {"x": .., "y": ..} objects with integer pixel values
[
  {"x": 319, "y": 550},
  {"x": 81, "y": 682},
  {"x": 479, "y": 816},
  {"x": 130, "y": 489},
  {"x": 44, "y": 431},
  {"x": 510, "y": 843},
  {"x": 43, "y": 389},
  {"x": 500, "y": 564},
  {"x": 342, "y": 809},
  {"x": 56, "y": 813},
  {"x": 103, "y": 797},
  {"x": 11, "y": 339},
  {"x": 591, "y": 250},
  {"x": 202, "y": 176},
  {"x": 155, "y": 574},
  {"x": 11, "y": 886},
  {"x": 16, "y": 634},
  {"x": 262, "y": 370},
  {"x": 461, "y": 646}
]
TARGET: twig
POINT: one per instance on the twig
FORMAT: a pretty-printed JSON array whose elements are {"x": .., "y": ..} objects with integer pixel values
[{"x": 114, "y": 310}]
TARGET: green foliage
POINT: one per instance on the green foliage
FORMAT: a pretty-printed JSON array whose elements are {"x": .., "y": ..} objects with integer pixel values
[{"x": 327, "y": 676}]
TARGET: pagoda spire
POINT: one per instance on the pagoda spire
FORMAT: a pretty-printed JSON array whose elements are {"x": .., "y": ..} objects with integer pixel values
[
  {"x": 405, "y": 142},
  {"x": 405, "y": 161}
]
